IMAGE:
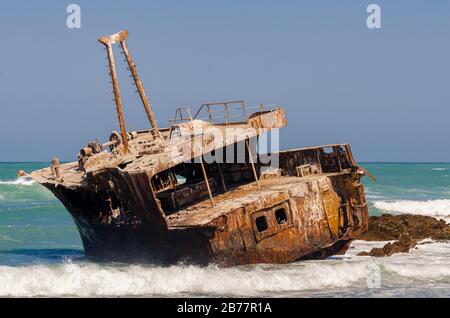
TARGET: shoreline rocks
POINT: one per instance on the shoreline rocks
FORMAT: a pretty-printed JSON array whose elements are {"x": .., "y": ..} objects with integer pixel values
[{"x": 405, "y": 229}]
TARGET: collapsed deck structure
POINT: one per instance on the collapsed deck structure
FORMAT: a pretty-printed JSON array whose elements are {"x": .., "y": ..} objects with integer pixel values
[{"x": 199, "y": 192}]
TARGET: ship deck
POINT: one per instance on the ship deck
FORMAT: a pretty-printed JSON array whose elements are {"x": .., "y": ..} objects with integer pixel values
[{"x": 202, "y": 213}]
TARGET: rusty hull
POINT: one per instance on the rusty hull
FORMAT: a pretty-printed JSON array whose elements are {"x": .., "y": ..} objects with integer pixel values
[{"x": 121, "y": 216}]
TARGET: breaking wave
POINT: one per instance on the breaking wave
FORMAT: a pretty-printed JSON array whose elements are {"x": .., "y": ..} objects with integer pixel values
[
  {"x": 440, "y": 169},
  {"x": 19, "y": 181},
  {"x": 335, "y": 275},
  {"x": 88, "y": 280},
  {"x": 435, "y": 208},
  {"x": 345, "y": 272},
  {"x": 419, "y": 271}
]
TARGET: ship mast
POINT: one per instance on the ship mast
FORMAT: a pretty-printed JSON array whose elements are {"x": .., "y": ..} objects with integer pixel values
[
  {"x": 120, "y": 38},
  {"x": 137, "y": 81},
  {"x": 108, "y": 41}
]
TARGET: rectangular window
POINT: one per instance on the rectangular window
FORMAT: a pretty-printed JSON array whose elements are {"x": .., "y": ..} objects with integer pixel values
[{"x": 261, "y": 224}]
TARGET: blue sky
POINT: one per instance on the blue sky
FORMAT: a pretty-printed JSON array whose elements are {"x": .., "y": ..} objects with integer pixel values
[{"x": 385, "y": 91}]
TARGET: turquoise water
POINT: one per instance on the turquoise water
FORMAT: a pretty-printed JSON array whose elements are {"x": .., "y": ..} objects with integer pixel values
[
  {"x": 34, "y": 226},
  {"x": 413, "y": 181},
  {"x": 41, "y": 253}
]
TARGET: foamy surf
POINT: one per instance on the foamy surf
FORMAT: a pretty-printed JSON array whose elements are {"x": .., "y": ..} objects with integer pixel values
[
  {"x": 333, "y": 276},
  {"x": 19, "y": 181},
  {"x": 91, "y": 280},
  {"x": 434, "y": 208},
  {"x": 440, "y": 169}
]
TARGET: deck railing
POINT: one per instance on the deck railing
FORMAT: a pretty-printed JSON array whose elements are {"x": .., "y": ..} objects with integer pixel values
[{"x": 226, "y": 112}]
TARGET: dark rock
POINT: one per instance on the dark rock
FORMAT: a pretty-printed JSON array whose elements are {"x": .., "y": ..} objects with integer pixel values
[
  {"x": 403, "y": 245},
  {"x": 377, "y": 252},
  {"x": 407, "y": 229},
  {"x": 389, "y": 227},
  {"x": 363, "y": 254}
]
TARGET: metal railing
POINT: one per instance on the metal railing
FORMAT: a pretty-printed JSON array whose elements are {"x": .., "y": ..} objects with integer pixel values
[
  {"x": 223, "y": 112},
  {"x": 220, "y": 113},
  {"x": 182, "y": 114}
]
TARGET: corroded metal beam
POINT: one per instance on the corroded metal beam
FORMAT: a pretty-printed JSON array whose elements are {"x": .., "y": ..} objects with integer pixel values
[
  {"x": 224, "y": 186},
  {"x": 207, "y": 181},
  {"x": 137, "y": 81},
  {"x": 108, "y": 41},
  {"x": 250, "y": 155}
]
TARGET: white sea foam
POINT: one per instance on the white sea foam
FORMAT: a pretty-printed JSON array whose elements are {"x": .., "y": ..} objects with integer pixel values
[
  {"x": 435, "y": 208},
  {"x": 429, "y": 261},
  {"x": 19, "y": 181},
  {"x": 419, "y": 271},
  {"x": 440, "y": 169},
  {"x": 374, "y": 196},
  {"x": 95, "y": 280}
]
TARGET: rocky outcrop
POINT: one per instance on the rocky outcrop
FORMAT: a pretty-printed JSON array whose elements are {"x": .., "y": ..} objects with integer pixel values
[
  {"x": 403, "y": 245},
  {"x": 406, "y": 229},
  {"x": 389, "y": 227}
]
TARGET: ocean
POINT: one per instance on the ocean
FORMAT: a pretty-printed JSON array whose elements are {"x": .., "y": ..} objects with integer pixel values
[{"x": 41, "y": 253}]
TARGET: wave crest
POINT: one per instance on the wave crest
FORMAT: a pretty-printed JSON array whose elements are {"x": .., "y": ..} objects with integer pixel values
[
  {"x": 88, "y": 280},
  {"x": 430, "y": 207},
  {"x": 19, "y": 181},
  {"x": 429, "y": 262}
]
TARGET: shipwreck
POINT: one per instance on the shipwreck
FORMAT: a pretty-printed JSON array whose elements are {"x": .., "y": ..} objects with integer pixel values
[{"x": 155, "y": 195}]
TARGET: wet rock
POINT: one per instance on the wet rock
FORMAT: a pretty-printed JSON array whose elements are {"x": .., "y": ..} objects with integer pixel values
[
  {"x": 363, "y": 254},
  {"x": 403, "y": 245},
  {"x": 389, "y": 227},
  {"x": 407, "y": 229}
]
